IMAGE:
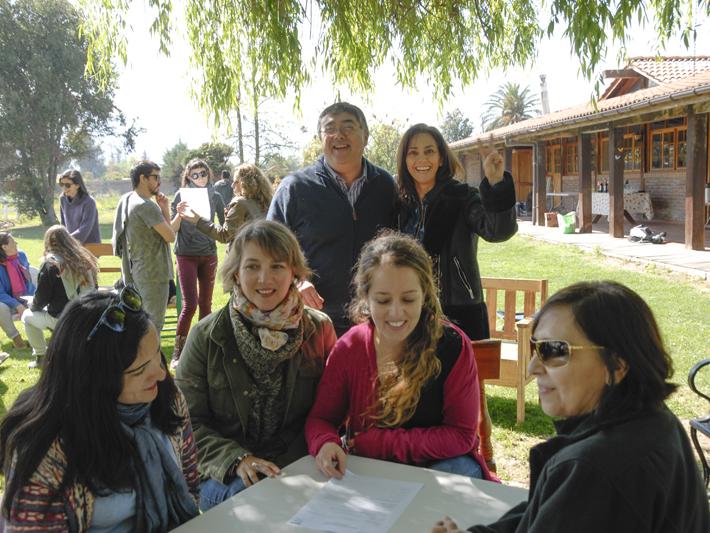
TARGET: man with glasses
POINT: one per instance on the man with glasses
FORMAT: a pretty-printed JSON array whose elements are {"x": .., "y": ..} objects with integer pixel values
[
  {"x": 141, "y": 233},
  {"x": 334, "y": 207}
]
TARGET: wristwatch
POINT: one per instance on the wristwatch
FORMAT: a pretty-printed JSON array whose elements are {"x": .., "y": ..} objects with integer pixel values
[{"x": 238, "y": 462}]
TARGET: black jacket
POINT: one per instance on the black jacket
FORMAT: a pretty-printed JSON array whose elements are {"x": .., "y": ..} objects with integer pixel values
[
  {"x": 456, "y": 216},
  {"x": 632, "y": 474}
]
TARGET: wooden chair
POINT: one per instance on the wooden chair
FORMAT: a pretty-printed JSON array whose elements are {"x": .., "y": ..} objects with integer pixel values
[
  {"x": 515, "y": 331},
  {"x": 487, "y": 355},
  {"x": 100, "y": 251},
  {"x": 702, "y": 423}
]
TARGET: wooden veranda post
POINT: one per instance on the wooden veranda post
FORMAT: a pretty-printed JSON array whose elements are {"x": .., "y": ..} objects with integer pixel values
[
  {"x": 616, "y": 181},
  {"x": 695, "y": 177},
  {"x": 539, "y": 188},
  {"x": 584, "y": 151}
]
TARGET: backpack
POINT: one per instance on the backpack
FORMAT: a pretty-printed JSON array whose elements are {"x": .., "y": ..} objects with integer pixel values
[{"x": 643, "y": 233}]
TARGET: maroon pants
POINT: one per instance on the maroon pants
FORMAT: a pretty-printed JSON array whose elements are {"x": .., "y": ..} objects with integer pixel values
[{"x": 194, "y": 270}]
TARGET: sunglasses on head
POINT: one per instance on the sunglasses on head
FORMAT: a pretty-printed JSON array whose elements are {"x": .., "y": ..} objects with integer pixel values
[
  {"x": 554, "y": 353},
  {"x": 114, "y": 316},
  {"x": 198, "y": 175}
]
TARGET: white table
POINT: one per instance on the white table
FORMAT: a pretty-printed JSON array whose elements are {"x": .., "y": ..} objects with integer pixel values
[
  {"x": 634, "y": 202},
  {"x": 268, "y": 505}
]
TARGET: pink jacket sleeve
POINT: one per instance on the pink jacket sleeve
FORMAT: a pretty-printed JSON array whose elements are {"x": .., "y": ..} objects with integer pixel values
[
  {"x": 455, "y": 436},
  {"x": 331, "y": 405}
]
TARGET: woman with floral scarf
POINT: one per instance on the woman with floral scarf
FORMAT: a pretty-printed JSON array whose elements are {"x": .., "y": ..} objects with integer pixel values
[{"x": 250, "y": 371}]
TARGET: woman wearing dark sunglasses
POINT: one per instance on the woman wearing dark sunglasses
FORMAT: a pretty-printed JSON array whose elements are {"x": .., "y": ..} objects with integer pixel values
[
  {"x": 77, "y": 209},
  {"x": 103, "y": 441},
  {"x": 196, "y": 254},
  {"x": 249, "y": 371},
  {"x": 621, "y": 460}
]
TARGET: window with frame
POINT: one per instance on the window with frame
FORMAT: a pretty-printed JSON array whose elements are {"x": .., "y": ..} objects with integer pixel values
[
  {"x": 668, "y": 144},
  {"x": 603, "y": 153},
  {"x": 571, "y": 161},
  {"x": 633, "y": 150},
  {"x": 554, "y": 159}
]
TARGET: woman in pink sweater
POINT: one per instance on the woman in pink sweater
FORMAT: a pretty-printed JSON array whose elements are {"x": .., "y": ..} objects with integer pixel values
[{"x": 403, "y": 382}]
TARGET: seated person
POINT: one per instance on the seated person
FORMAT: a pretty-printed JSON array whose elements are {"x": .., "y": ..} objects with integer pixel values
[
  {"x": 249, "y": 371},
  {"x": 67, "y": 271},
  {"x": 404, "y": 380},
  {"x": 15, "y": 283},
  {"x": 103, "y": 441},
  {"x": 621, "y": 461}
]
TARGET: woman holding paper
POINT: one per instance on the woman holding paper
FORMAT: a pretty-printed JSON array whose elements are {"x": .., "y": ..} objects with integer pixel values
[
  {"x": 252, "y": 196},
  {"x": 403, "y": 381},
  {"x": 196, "y": 253}
]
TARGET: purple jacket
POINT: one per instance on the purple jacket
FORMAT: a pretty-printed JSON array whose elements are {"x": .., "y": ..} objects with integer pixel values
[{"x": 80, "y": 217}]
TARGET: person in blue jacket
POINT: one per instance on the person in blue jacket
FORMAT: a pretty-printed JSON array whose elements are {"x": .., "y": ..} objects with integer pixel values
[{"x": 15, "y": 283}]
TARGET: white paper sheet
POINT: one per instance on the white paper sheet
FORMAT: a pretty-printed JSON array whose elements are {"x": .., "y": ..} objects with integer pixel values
[
  {"x": 197, "y": 199},
  {"x": 356, "y": 504}
]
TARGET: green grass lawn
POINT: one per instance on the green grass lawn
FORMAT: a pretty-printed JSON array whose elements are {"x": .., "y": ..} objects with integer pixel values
[{"x": 681, "y": 306}]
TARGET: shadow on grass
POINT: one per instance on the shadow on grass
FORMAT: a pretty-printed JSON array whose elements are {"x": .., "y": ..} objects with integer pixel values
[{"x": 536, "y": 424}]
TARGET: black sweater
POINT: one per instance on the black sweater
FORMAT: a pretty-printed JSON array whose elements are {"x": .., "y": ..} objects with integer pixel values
[{"x": 633, "y": 474}]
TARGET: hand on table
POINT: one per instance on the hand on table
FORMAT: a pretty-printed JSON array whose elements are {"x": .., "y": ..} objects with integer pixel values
[
  {"x": 250, "y": 467},
  {"x": 446, "y": 526},
  {"x": 310, "y": 295},
  {"x": 331, "y": 460},
  {"x": 492, "y": 163}
]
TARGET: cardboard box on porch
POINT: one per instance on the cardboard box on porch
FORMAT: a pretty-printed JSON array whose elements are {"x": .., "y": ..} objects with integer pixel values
[{"x": 551, "y": 220}]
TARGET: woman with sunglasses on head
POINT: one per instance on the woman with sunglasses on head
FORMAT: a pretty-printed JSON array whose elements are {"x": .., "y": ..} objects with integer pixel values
[
  {"x": 67, "y": 271},
  {"x": 621, "y": 461},
  {"x": 252, "y": 196},
  {"x": 103, "y": 441},
  {"x": 403, "y": 380},
  {"x": 77, "y": 210},
  {"x": 249, "y": 371},
  {"x": 16, "y": 285},
  {"x": 196, "y": 254}
]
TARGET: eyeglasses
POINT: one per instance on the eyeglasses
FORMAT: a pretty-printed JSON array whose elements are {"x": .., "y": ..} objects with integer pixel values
[
  {"x": 555, "y": 353},
  {"x": 198, "y": 175},
  {"x": 332, "y": 129},
  {"x": 114, "y": 316},
  {"x": 66, "y": 185},
  {"x": 156, "y": 176}
]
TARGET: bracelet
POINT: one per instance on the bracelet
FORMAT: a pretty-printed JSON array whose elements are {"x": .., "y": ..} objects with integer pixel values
[{"x": 239, "y": 461}]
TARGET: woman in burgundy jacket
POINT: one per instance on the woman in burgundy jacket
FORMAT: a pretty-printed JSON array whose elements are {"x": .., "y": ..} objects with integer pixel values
[{"x": 403, "y": 378}]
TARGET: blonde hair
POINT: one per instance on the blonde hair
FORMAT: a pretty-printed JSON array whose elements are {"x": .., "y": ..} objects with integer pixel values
[
  {"x": 77, "y": 259},
  {"x": 273, "y": 238},
  {"x": 254, "y": 184},
  {"x": 398, "y": 393}
]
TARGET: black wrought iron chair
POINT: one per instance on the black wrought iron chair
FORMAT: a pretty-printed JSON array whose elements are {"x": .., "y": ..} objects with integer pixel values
[{"x": 702, "y": 423}]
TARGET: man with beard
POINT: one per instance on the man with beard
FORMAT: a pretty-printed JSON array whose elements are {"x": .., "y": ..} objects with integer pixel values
[{"x": 141, "y": 233}]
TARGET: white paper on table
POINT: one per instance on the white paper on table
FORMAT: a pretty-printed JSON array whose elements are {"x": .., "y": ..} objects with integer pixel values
[
  {"x": 356, "y": 504},
  {"x": 197, "y": 199}
]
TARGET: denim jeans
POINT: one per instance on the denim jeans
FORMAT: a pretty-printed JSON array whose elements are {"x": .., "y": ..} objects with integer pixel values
[
  {"x": 463, "y": 465},
  {"x": 213, "y": 492}
]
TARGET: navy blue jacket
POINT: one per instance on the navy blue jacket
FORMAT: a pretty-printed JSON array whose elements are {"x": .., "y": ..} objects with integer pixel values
[{"x": 330, "y": 231}]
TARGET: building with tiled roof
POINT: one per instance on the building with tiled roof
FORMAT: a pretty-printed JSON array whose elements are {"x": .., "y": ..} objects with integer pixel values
[{"x": 655, "y": 112}]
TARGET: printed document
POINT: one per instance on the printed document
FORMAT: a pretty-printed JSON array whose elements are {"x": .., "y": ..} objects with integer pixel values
[
  {"x": 356, "y": 504},
  {"x": 197, "y": 199}
]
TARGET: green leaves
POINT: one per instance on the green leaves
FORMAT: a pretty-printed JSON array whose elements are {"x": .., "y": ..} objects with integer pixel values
[{"x": 247, "y": 50}]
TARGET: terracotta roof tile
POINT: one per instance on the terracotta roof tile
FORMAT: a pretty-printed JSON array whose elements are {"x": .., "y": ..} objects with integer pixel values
[
  {"x": 668, "y": 69},
  {"x": 678, "y": 89}
]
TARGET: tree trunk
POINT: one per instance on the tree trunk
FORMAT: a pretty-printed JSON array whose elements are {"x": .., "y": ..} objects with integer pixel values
[
  {"x": 240, "y": 135},
  {"x": 257, "y": 154},
  {"x": 46, "y": 212}
]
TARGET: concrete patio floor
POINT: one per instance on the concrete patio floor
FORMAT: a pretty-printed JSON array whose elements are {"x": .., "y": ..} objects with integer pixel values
[{"x": 672, "y": 255}]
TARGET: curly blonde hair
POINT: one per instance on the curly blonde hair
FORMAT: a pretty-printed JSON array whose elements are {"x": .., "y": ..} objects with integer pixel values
[
  {"x": 77, "y": 259},
  {"x": 398, "y": 392},
  {"x": 255, "y": 185}
]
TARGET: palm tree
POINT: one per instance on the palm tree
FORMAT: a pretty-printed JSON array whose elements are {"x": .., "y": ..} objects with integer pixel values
[{"x": 508, "y": 105}]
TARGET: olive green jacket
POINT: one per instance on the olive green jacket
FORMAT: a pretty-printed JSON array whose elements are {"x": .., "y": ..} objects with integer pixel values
[{"x": 218, "y": 388}]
